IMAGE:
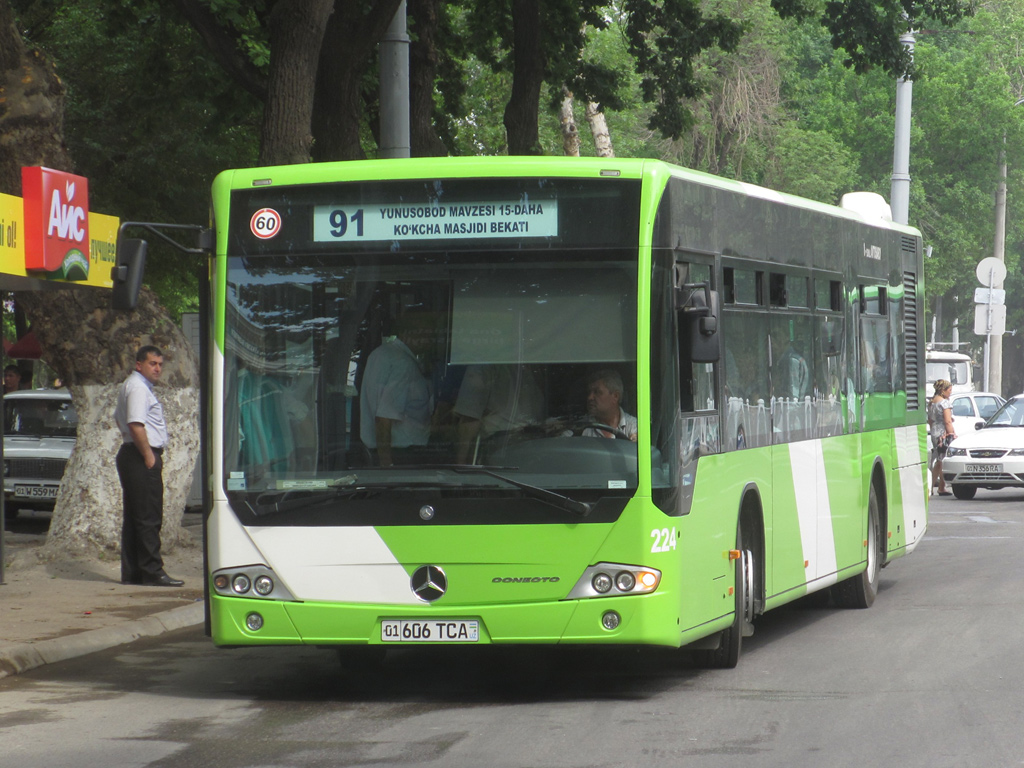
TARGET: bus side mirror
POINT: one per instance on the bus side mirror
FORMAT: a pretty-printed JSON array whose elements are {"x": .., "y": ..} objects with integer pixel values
[
  {"x": 127, "y": 274},
  {"x": 699, "y": 309}
]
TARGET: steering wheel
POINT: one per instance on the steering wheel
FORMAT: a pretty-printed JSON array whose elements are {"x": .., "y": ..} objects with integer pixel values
[{"x": 580, "y": 427}]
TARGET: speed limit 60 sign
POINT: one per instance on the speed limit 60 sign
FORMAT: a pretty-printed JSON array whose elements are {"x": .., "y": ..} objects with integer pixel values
[{"x": 265, "y": 223}]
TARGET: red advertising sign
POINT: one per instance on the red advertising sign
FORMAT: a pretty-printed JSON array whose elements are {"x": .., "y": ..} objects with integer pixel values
[{"x": 56, "y": 206}]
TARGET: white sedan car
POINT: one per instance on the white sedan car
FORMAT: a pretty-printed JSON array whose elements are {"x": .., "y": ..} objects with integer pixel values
[
  {"x": 970, "y": 408},
  {"x": 991, "y": 456}
]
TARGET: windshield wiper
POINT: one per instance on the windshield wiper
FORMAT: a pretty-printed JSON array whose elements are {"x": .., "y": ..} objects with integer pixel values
[
  {"x": 287, "y": 500},
  {"x": 580, "y": 508},
  {"x": 346, "y": 486},
  {"x": 559, "y": 500},
  {"x": 305, "y": 498}
]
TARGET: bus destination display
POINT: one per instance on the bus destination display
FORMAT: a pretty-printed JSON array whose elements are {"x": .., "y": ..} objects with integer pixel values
[{"x": 491, "y": 219}]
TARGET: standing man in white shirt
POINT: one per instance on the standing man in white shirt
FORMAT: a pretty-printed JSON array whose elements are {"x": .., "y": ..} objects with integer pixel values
[
  {"x": 140, "y": 417},
  {"x": 395, "y": 402}
]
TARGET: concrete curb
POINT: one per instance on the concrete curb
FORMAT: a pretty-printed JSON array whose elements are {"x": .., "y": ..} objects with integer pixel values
[{"x": 15, "y": 659}]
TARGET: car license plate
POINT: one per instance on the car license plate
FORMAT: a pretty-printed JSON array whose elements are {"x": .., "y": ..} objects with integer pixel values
[
  {"x": 984, "y": 468},
  {"x": 36, "y": 491},
  {"x": 430, "y": 631}
]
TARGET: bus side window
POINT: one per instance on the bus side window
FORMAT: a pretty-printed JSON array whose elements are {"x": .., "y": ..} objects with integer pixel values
[{"x": 747, "y": 394}]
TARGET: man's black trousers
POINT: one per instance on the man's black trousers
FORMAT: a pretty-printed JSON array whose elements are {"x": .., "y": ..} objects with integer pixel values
[{"x": 143, "y": 494}]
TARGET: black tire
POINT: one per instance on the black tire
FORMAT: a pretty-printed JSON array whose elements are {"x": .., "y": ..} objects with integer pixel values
[
  {"x": 727, "y": 654},
  {"x": 964, "y": 492},
  {"x": 860, "y": 591}
]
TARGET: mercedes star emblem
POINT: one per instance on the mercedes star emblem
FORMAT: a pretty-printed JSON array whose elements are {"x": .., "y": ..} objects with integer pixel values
[{"x": 428, "y": 583}]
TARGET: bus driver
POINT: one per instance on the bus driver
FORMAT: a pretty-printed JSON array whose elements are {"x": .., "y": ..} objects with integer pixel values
[{"x": 604, "y": 406}]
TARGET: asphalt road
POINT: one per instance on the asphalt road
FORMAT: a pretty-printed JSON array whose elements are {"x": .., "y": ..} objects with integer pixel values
[{"x": 932, "y": 675}]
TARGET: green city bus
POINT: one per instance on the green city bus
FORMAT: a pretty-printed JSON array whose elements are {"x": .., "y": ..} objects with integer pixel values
[{"x": 403, "y": 438}]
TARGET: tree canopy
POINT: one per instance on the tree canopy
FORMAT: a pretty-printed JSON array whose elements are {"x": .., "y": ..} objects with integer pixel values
[{"x": 793, "y": 94}]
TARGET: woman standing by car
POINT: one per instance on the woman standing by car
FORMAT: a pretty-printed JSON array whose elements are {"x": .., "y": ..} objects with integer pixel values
[{"x": 940, "y": 427}]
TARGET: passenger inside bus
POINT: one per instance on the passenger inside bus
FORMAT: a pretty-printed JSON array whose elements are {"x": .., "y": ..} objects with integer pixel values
[
  {"x": 396, "y": 403},
  {"x": 492, "y": 400}
]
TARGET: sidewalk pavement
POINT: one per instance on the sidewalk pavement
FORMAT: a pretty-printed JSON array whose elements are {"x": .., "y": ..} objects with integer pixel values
[{"x": 60, "y": 610}]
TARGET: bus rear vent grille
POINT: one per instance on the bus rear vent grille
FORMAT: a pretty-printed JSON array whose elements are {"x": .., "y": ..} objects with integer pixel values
[{"x": 910, "y": 331}]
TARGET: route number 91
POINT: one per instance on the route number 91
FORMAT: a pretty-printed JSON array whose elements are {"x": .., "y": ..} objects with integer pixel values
[{"x": 339, "y": 221}]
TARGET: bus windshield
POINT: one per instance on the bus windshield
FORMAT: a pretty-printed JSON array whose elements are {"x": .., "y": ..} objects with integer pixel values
[{"x": 396, "y": 368}]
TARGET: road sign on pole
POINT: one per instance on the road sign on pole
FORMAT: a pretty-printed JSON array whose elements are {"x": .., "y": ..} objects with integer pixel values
[
  {"x": 990, "y": 271},
  {"x": 989, "y": 296},
  {"x": 990, "y": 319},
  {"x": 990, "y": 311}
]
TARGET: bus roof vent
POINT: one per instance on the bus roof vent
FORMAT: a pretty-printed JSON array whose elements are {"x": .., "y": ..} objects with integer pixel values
[{"x": 870, "y": 205}]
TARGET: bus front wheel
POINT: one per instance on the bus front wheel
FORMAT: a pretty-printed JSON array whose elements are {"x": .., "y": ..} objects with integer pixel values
[{"x": 727, "y": 654}]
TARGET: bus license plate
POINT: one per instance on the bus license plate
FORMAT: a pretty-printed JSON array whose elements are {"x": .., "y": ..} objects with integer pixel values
[
  {"x": 36, "y": 491},
  {"x": 984, "y": 468},
  {"x": 430, "y": 631}
]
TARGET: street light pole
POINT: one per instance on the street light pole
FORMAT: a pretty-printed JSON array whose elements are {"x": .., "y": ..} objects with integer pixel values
[
  {"x": 899, "y": 195},
  {"x": 994, "y": 347},
  {"x": 994, "y": 362}
]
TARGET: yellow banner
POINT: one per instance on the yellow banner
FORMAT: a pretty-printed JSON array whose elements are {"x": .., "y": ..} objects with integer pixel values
[{"x": 102, "y": 248}]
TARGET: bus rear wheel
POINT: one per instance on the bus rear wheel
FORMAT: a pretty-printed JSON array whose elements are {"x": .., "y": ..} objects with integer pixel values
[{"x": 860, "y": 591}]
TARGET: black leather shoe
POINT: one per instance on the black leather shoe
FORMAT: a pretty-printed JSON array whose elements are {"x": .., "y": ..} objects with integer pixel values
[
  {"x": 165, "y": 581},
  {"x": 131, "y": 581}
]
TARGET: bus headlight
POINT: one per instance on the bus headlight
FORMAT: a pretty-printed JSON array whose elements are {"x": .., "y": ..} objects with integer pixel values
[
  {"x": 251, "y": 581},
  {"x": 625, "y": 581},
  {"x": 615, "y": 580}
]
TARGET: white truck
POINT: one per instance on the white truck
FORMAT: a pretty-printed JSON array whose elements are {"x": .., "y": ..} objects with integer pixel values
[{"x": 955, "y": 367}]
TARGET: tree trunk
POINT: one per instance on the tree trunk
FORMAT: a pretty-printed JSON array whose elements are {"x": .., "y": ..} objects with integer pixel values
[
  {"x": 599, "y": 130},
  {"x": 350, "y": 38},
  {"x": 423, "y": 60},
  {"x": 296, "y": 33},
  {"x": 31, "y": 108},
  {"x": 92, "y": 348},
  {"x": 89, "y": 346},
  {"x": 522, "y": 112},
  {"x": 570, "y": 133}
]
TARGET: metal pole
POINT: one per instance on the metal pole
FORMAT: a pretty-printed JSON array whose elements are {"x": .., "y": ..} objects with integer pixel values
[
  {"x": 394, "y": 88},
  {"x": 3, "y": 515},
  {"x": 994, "y": 364},
  {"x": 993, "y": 370},
  {"x": 899, "y": 195},
  {"x": 988, "y": 342}
]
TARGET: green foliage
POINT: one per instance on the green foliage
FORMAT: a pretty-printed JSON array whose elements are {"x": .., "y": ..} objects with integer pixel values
[
  {"x": 665, "y": 36},
  {"x": 745, "y": 89},
  {"x": 149, "y": 120},
  {"x": 248, "y": 20},
  {"x": 811, "y": 164}
]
